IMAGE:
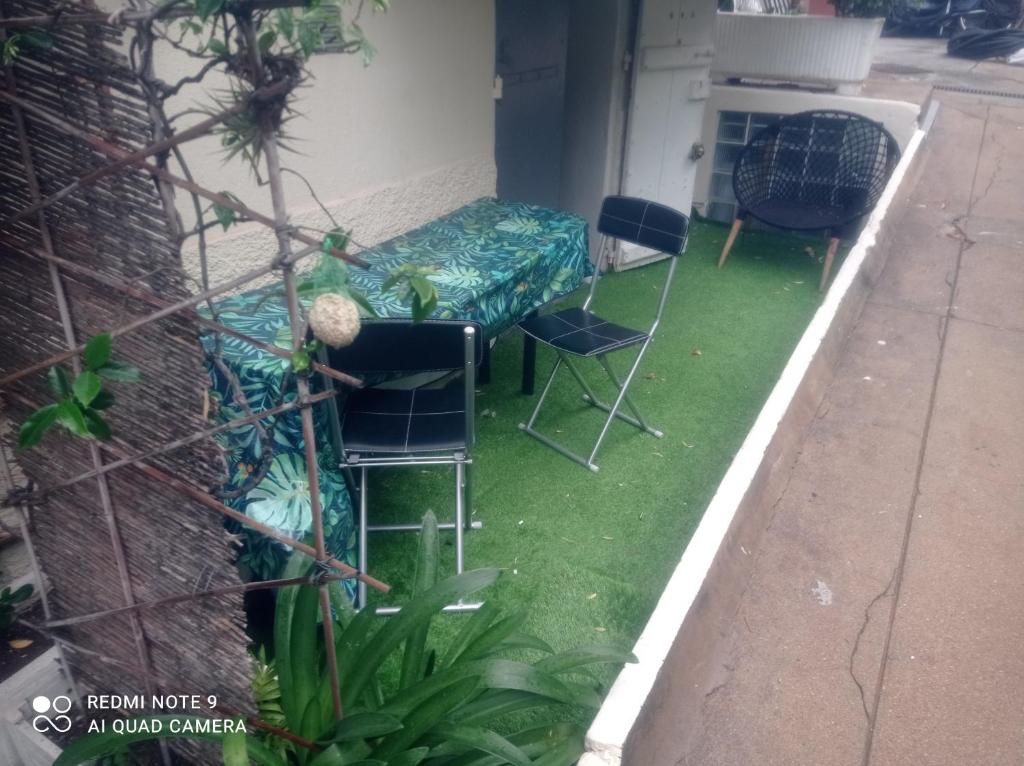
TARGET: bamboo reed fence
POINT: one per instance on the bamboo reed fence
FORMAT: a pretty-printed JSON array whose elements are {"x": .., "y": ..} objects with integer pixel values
[{"x": 90, "y": 242}]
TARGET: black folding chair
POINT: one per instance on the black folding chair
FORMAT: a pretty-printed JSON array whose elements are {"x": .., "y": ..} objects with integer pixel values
[
  {"x": 388, "y": 427},
  {"x": 579, "y": 332}
]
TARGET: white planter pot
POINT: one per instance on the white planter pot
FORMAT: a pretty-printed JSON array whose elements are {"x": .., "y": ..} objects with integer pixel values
[{"x": 819, "y": 50}]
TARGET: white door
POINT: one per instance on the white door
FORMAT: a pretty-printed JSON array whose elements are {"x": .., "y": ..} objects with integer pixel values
[{"x": 671, "y": 84}]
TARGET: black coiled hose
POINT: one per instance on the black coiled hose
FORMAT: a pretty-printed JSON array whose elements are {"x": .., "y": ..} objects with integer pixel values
[{"x": 980, "y": 44}]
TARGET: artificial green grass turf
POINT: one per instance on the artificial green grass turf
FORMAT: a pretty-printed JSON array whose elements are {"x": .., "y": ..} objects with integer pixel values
[{"x": 589, "y": 553}]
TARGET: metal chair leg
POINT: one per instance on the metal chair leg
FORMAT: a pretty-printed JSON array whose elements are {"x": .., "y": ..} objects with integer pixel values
[
  {"x": 528, "y": 425},
  {"x": 467, "y": 488},
  {"x": 638, "y": 419},
  {"x": 363, "y": 532},
  {"x": 613, "y": 412},
  {"x": 460, "y": 521}
]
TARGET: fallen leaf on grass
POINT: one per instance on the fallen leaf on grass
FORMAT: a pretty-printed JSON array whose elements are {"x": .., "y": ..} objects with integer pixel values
[
  {"x": 606, "y": 537},
  {"x": 651, "y": 376},
  {"x": 696, "y": 352},
  {"x": 601, "y": 630},
  {"x": 20, "y": 643},
  {"x": 592, "y": 596}
]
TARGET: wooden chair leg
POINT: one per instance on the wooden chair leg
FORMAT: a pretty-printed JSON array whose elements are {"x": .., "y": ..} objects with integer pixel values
[
  {"x": 833, "y": 245},
  {"x": 733, "y": 232}
]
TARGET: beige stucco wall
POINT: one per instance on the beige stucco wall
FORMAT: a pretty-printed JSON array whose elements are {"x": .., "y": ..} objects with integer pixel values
[{"x": 387, "y": 146}]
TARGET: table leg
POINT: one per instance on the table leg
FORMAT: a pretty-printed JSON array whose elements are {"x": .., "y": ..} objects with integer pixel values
[
  {"x": 529, "y": 360},
  {"x": 484, "y": 373}
]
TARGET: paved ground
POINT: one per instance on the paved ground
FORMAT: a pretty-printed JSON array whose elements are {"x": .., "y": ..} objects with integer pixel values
[{"x": 884, "y": 621}]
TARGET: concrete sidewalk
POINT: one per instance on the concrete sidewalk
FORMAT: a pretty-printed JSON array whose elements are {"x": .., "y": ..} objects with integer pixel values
[{"x": 884, "y": 618}]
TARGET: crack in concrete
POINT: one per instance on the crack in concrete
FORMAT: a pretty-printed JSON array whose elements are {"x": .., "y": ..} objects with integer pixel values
[
  {"x": 868, "y": 715},
  {"x": 995, "y": 171},
  {"x": 897, "y": 582}
]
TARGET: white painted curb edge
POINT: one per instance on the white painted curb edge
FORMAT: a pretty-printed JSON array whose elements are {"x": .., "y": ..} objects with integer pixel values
[{"x": 607, "y": 734}]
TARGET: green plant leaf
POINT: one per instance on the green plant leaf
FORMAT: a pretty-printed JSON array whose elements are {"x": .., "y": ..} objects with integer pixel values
[
  {"x": 295, "y": 642},
  {"x": 97, "y": 426},
  {"x": 423, "y": 309},
  {"x": 70, "y": 415},
  {"x": 423, "y": 287},
  {"x": 495, "y": 703},
  {"x": 234, "y": 751},
  {"x": 398, "y": 628},
  {"x": 342, "y": 755},
  {"x": 217, "y": 47},
  {"x": 286, "y": 22},
  {"x": 423, "y": 718},
  {"x": 424, "y": 579},
  {"x": 36, "y": 425},
  {"x": 526, "y": 641},
  {"x": 585, "y": 655},
  {"x": 494, "y": 636},
  {"x": 313, "y": 716},
  {"x": 493, "y": 674},
  {"x": 206, "y": 8},
  {"x": 10, "y": 49},
  {"x": 410, "y": 757},
  {"x": 475, "y": 626},
  {"x": 36, "y": 38},
  {"x": 104, "y": 400},
  {"x": 363, "y": 726},
  {"x": 120, "y": 372},
  {"x": 97, "y": 351},
  {"x": 301, "y": 361},
  {"x": 59, "y": 382},
  {"x": 20, "y": 594},
  {"x": 91, "y": 746},
  {"x": 360, "y": 300},
  {"x": 86, "y": 386},
  {"x": 535, "y": 742},
  {"x": 267, "y": 39},
  {"x": 477, "y": 738}
]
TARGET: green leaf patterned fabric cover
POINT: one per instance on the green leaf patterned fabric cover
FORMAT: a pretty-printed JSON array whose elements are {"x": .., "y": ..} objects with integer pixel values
[{"x": 496, "y": 262}]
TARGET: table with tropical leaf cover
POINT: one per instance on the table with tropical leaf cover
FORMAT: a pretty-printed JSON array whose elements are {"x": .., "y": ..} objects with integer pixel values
[{"x": 494, "y": 262}]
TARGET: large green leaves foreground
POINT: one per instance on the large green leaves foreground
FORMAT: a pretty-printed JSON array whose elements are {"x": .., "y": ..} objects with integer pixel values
[{"x": 445, "y": 709}]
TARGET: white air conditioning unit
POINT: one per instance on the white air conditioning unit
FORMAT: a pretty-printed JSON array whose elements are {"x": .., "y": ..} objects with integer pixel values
[{"x": 817, "y": 50}]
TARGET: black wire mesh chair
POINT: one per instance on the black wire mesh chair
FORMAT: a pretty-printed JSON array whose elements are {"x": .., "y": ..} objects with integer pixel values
[
  {"x": 389, "y": 427},
  {"x": 813, "y": 170},
  {"x": 580, "y": 332}
]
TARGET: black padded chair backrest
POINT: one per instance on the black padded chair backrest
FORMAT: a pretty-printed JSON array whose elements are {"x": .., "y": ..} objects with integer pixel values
[
  {"x": 386, "y": 346},
  {"x": 832, "y": 160},
  {"x": 644, "y": 223}
]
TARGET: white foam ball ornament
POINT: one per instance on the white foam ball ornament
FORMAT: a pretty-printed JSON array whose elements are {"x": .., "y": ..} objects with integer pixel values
[{"x": 334, "y": 319}]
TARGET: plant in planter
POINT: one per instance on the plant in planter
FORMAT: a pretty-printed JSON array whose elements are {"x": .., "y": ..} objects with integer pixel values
[
  {"x": 863, "y": 8},
  {"x": 406, "y": 702}
]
